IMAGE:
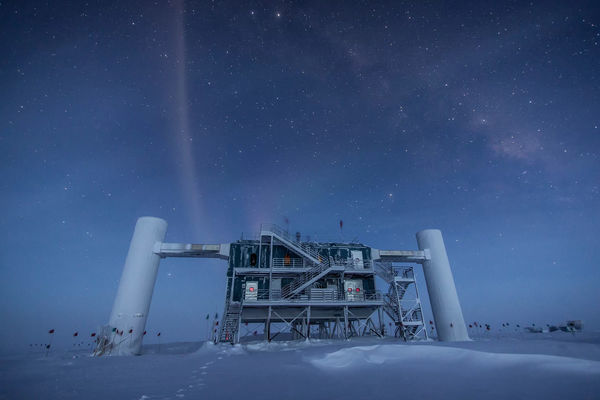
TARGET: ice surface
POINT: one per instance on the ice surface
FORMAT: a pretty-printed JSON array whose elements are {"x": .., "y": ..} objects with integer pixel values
[
  {"x": 545, "y": 367},
  {"x": 362, "y": 356}
]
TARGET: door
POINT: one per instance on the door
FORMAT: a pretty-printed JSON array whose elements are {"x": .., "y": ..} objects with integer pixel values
[
  {"x": 353, "y": 289},
  {"x": 357, "y": 259},
  {"x": 251, "y": 291}
]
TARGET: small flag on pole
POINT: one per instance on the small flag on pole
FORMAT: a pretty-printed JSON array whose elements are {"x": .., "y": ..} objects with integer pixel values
[
  {"x": 93, "y": 334},
  {"x": 51, "y": 331}
]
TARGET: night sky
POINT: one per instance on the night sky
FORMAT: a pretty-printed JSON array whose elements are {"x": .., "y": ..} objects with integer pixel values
[{"x": 479, "y": 119}]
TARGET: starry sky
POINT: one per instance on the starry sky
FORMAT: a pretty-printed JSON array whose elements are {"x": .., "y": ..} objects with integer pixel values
[{"x": 478, "y": 118}]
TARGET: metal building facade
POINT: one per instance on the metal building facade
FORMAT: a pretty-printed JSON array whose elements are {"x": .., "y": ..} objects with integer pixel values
[{"x": 311, "y": 288}]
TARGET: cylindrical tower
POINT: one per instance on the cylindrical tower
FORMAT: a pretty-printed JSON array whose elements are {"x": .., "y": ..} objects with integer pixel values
[
  {"x": 132, "y": 303},
  {"x": 445, "y": 306}
]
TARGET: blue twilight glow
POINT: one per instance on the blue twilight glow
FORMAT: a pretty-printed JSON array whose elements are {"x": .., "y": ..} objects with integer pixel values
[{"x": 478, "y": 118}]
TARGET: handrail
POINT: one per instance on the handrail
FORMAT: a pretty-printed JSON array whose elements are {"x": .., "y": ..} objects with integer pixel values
[
  {"x": 289, "y": 263},
  {"x": 384, "y": 271},
  {"x": 299, "y": 263},
  {"x": 316, "y": 294},
  {"x": 388, "y": 272},
  {"x": 352, "y": 264},
  {"x": 307, "y": 249}
]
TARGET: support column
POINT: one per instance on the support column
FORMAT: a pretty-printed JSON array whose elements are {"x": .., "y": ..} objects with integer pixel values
[
  {"x": 308, "y": 323},
  {"x": 445, "y": 306},
  {"x": 346, "y": 334},
  {"x": 132, "y": 303},
  {"x": 268, "y": 326}
]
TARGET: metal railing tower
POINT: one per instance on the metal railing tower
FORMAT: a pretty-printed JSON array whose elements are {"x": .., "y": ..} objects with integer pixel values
[{"x": 404, "y": 310}]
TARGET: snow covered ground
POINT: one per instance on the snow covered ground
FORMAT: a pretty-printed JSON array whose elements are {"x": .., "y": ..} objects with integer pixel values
[{"x": 544, "y": 366}]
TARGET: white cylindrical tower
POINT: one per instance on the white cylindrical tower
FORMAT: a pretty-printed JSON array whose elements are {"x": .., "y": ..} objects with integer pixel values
[
  {"x": 445, "y": 306},
  {"x": 132, "y": 303}
]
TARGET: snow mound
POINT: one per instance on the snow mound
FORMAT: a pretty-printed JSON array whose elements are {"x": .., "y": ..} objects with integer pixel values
[
  {"x": 293, "y": 345},
  {"x": 365, "y": 356},
  {"x": 208, "y": 348}
]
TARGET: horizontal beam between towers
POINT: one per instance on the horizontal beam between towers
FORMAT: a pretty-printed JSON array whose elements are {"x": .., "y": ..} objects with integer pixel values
[
  {"x": 416, "y": 256},
  {"x": 220, "y": 251}
]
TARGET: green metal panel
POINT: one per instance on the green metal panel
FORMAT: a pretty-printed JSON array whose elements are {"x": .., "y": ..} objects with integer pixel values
[
  {"x": 282, "y": 251},
  {"x": 237, "y": 289},
  {"x": 369, "y": 283},
  {"x": 240, "y": 255}
]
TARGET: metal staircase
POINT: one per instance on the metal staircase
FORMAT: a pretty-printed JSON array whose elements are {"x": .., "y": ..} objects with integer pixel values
[
  {"x": 303, "y": 249},
  {"x": 321, "y": 265},
  {"x": 230, "y": 322},
  {"x": 405, "y": 312},
  {"x": 307, "y": 279}
]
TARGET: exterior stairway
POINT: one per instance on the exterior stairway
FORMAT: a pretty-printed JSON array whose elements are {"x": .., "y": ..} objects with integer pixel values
[
  {"x": 230, "y": 323},
  {"x": 321, "y": 265},
  {"x": 391, "y": 304},
  {"x": 384, "y": 271},
  {"x": 307, "y": 279},
  {"x": 406, "y": 314}
]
